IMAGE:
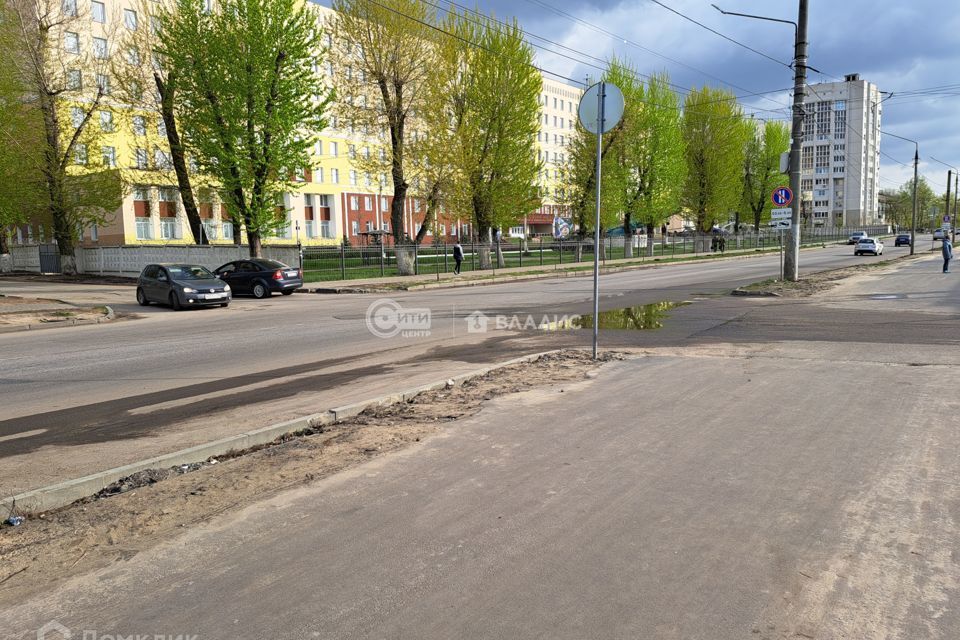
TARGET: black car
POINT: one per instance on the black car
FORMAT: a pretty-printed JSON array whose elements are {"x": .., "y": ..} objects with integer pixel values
[
  {"x": 260, "y": 277},
  {"x": 903, "y": 240},
  {"x": 181, "y": 286}
]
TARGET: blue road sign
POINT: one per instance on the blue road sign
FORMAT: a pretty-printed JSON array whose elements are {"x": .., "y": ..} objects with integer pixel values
[{"x": 782, "y": 196}]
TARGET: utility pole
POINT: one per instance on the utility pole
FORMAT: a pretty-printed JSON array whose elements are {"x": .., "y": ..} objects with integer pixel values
[
  {"x": 792, "y": 258},
  {"x": 953, "y": 223},
  {"x": 913, "y": 221},
  {"x": 791, "y": 266}
]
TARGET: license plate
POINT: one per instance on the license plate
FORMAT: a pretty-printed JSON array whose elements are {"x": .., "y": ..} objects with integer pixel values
[
  {"x": 292, "y": 274},
  {"x": 212, "y": 296}
]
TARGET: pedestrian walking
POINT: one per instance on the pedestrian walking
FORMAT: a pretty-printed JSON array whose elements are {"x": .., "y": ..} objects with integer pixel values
[
  {"x": 457, "y": 257},
  {"x": 947, "y": 250},
  {"x": 723, "y": 244}
]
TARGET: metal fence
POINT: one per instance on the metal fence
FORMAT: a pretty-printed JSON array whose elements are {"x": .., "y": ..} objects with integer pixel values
[{"x": 348, "y": 262}]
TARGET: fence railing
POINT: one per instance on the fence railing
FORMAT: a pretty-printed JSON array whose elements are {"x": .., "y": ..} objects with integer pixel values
[{"x": 354, "y": 262}]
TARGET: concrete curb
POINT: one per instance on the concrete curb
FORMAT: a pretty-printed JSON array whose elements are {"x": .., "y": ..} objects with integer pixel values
[
  {"x": 107, "y": 317},
  {"x": 64, "y": 493}
]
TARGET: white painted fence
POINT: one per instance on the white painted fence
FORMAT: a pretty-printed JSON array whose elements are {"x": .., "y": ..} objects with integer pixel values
[{"x": 129, "y": 260}]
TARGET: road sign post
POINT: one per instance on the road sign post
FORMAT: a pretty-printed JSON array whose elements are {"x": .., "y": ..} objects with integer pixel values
[{"x": 600, "y": 110}]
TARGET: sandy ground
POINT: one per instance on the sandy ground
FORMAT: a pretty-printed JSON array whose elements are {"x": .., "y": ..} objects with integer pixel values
[
  {"x": 139, "y": 512},
  {"x": 813, "y": 283},
  {"x": 19, "y": 312}
]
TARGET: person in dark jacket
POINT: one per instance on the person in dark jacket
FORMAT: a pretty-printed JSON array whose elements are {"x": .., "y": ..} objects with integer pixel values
[
  {"x": 947, "y": 250},
  {"x": 457, "y": 257}
]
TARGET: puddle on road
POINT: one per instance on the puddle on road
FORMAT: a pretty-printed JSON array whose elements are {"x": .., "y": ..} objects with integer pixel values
[{"x": 644, "y": 317}]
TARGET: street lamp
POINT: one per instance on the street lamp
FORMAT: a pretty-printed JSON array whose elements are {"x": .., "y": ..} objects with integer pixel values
[
  {"x": 792, "y": 256},
  {"x": 956, "y": 177},
  {"x": 916, "y": 164}
]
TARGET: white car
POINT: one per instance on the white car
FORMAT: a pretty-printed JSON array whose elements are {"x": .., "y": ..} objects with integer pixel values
[
  {"x": 940, "y": 234},
  {"x": 868, "y": 245}
]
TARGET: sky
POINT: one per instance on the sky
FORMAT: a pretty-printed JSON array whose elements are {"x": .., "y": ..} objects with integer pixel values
[{"x": 903, "y": 47}]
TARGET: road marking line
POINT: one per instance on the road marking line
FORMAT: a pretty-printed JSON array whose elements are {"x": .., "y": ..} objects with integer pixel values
[{"x": 24, "y": 434}]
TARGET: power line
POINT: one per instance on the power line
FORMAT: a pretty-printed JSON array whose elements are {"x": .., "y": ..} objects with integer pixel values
[
  {"x": 534, "y": 66},
  {"x": 724, "y": 36},
  {"x": 604, "y": 31},
  {"x": 636, "y": 74}
]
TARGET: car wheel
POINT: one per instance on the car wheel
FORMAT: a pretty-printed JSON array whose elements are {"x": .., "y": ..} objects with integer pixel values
[
  {"x": 288, "y": 293},
  {"x": 142, "y": 298},
  {"x": 260, "y": 290},
  {"x": 225, "y": 305},
  {"x": 175, "y": 302}
]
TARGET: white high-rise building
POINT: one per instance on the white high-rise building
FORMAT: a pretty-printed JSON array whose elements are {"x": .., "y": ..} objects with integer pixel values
[{"x": 840, "y": 160}]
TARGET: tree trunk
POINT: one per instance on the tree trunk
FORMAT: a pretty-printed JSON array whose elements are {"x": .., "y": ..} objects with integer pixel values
[
  {"x": 177, "y": 154},
  {"x": 483, "y": 252},
  {"x": 627, "y": 243},
  {"x": 406, "y": 259},
  {"x": 650, "y": 239},
  {"x": 253, "y": 240},
  {"x": 500, "y": 261},
  {"x": 423, "y": 230},
  {"x": 4, "y": 247}
]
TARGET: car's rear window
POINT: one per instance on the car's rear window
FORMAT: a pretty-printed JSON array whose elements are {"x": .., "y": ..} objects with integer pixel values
[
  {"x": 192, "y": 272},
  {"x": 869, "y": 240},
  {"x": 272, "y": 264}
]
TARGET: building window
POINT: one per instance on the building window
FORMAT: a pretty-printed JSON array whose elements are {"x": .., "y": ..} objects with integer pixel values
[
  {"x": 130, "y": 19},
  {"x": 383, "y": 204},
  {"x": 335, "y": 176},
  {"x": 355, "y": 227},
  {"x": 368, "y": 203},
  {"x": 110, "y": 157},
  {"x": 74, "y": 80},
  {"x": 353, "y": 177},
  {"x": 133, "y": 56},
  {"x": 334, "y": 148},
  {"x": 318, "y": 175},
  {"x": 141, "y": 158},
  {"x": 71, "y": 42},
  {"x": 139, "y": 126},
  {"x": 106, "y": 121},
  {"x": 94, "y": 233},
  {"x": 100, "y": 48},
  {"x": 162, "y": 159},
  {"x": 354, "y": 203},
  {"x": 77, "y": 116},
  {"x": 103, "y": 83},
  {"x": 352, "y": 152},
  {"x": 822, "y": 158},
  {"x": 806, "y": 159},
  {"x": 70, "y": 8},
  {"x": 80, "y": 153},
  {"x": 98, "y": 12}
]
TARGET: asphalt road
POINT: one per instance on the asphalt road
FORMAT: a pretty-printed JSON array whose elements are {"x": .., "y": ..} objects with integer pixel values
[
  {"x": 748, "y": 484},
  {"x": 115, "y": 393}
]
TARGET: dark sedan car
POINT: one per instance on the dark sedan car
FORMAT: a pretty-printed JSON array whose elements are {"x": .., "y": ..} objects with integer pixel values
[
  {"x": 903, "y": 240},
  {"x": 260, "y": 277},
  {"x": 181, "y": 286}
]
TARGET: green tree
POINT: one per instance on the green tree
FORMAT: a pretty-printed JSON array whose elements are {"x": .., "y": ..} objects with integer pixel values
[
  {"x": 65, "y": 85},
  {"x": 383, "y": 54},
  {"x": 251, "y": 102},
  {"x": 135, "y": 78},
  {"x": 21, "y": 162},
  {"x": 485, "y": 117},
  {"x": 654, "y": 155},
  {"x": 579, "y": 173},
  {"x": 761, "y": 168},
  {"x": 714, "y": 139}
]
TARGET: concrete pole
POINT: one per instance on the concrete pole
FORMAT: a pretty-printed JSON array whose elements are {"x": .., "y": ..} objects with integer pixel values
[
  {"x": 792, "y": 255},
  {"x": 913, "y": 220},
  {"x": 953, "y": 223}
]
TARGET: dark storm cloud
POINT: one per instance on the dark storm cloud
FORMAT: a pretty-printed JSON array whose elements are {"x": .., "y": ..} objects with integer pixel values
[{"x": 901, "y": 46}]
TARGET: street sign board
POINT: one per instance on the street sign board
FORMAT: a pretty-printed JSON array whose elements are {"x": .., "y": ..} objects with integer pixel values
[
  {"x": 946, "y": 218},
  {"x": 612, "y": 107},
  {"x": 781, "y": 214},
  {"x": 782, "y": 196}
]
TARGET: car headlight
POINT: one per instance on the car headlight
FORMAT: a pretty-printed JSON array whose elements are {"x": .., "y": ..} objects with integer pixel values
[
  {"x": 226, "y": 287},
  {"x": 189, "y": 290}
]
